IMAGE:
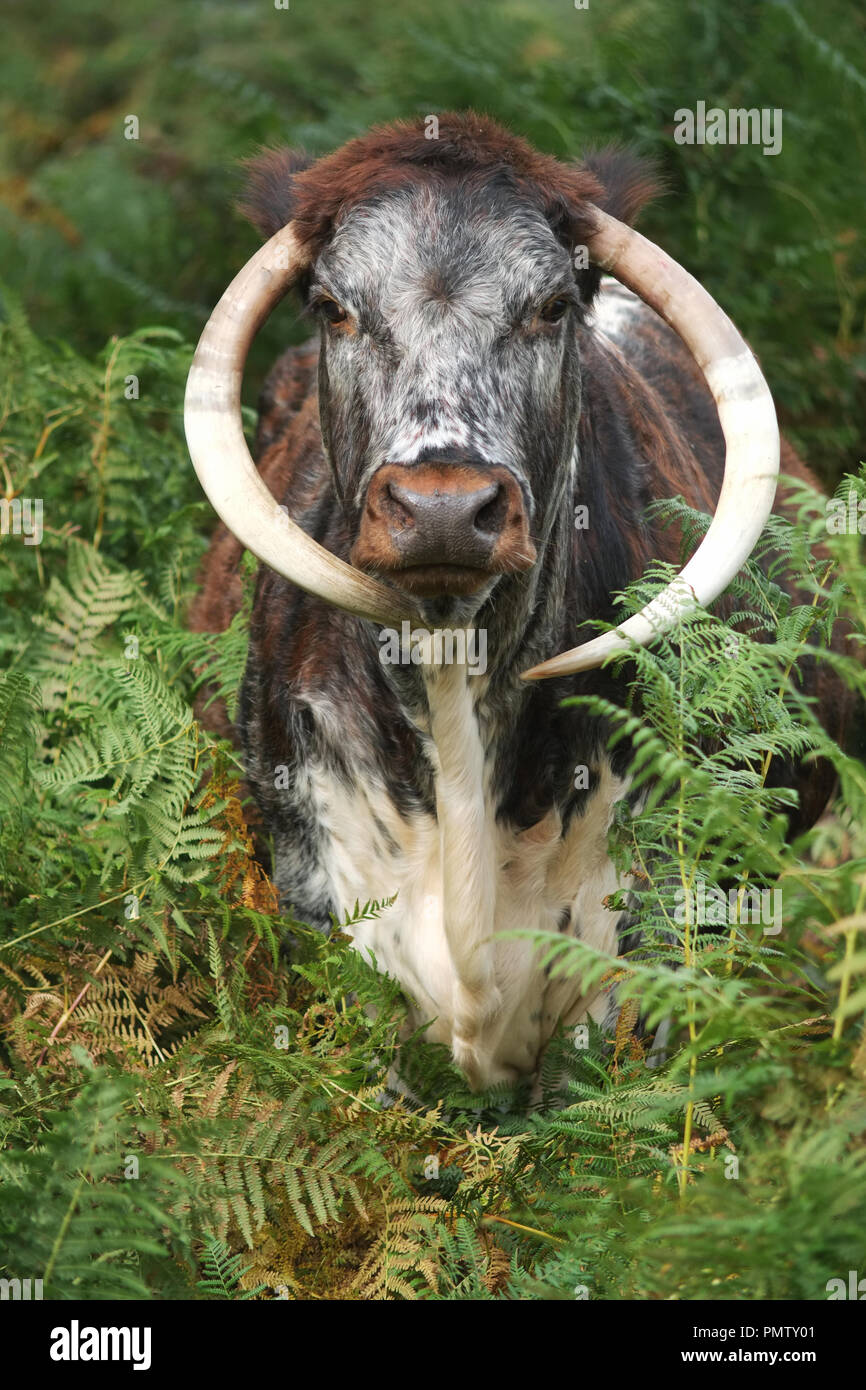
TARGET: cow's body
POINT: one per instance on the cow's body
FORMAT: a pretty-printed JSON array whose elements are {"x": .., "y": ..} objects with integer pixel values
[{"x": 454, "y": 791}]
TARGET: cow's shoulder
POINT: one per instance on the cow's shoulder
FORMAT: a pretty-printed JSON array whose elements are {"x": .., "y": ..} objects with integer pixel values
[
  {"x": 291, "y": 461},
  {"x": 288, "y": 386},
  {"x": 289, "y": 449}
]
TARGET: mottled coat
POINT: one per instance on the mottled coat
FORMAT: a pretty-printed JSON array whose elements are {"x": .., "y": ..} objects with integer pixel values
[{"x": 448, "y": 349}]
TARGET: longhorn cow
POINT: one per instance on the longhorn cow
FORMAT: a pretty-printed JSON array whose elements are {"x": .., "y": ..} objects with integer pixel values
[{"x": 475, "y": 381}]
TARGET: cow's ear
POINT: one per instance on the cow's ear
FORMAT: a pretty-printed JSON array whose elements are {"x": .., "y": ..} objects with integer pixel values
[
  {"x": 268, "y": 199},
  {"x": 627, "y": 182}
]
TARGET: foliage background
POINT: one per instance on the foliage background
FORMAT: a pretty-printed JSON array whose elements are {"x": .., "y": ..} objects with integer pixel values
[
  {"x": 264, "y": 1160},
  {"x": 103, "y": 235}
]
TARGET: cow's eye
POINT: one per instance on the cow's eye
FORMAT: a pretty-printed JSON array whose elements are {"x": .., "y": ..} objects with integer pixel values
[
  {"x": 554, "y": 309},
  {"x": 333, "y": 311}
]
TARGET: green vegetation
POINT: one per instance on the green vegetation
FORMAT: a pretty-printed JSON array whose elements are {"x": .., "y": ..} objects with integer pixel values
[
  {"x": 105, "y": 235},
  {"x": 182, "y": 1115}
]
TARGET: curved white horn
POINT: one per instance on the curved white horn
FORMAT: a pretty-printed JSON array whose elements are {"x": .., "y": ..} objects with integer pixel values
[
  {"x": 214, "y": 433},
  {"x": 748, "y": 423}
]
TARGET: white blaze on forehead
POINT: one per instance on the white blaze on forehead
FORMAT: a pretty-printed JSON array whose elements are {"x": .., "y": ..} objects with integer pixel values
[
  {"x": 442, "y": 258},
  {"x": 439, "y": 275},
  {"x": 409, "y": 443}
]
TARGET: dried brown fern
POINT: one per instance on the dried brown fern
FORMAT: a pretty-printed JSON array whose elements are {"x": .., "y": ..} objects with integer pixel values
[
  {"x": 126, "y": 1011},
  {"x": 404, "y": 1244},
  {"x": 239, "y": 864}
]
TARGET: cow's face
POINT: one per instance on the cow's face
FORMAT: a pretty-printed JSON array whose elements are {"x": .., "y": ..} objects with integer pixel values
[{"x": 449, "y": 382}]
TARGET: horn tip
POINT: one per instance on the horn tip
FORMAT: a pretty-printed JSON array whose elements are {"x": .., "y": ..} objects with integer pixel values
[{"x": 556, "y": 666}]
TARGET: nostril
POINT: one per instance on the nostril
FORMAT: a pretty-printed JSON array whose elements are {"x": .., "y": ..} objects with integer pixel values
[
  {"x": 490, "y": 518},
  {"x": 398, "y": 505}
]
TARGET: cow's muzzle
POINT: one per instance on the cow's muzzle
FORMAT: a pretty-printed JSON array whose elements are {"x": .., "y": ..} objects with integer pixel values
[{"x": 443, "y": 528}]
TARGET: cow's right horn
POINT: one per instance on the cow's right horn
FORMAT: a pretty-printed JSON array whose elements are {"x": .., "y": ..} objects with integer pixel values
[
  {"x": 748, "y": 422},
  {"x": 214, "y": 433}
]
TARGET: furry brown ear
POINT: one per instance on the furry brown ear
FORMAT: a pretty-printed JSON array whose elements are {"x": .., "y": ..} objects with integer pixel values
[
  {"x": 286, "y": 185},
  {"x": 268, "y": 199},
  {"x": 627, "y": 183}
]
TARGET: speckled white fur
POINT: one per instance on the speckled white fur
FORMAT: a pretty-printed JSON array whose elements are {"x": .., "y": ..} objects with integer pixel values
[{"x": 462, "y": 881}]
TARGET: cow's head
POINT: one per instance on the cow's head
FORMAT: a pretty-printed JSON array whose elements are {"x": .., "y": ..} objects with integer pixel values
[{"x": 448, "y": 275}]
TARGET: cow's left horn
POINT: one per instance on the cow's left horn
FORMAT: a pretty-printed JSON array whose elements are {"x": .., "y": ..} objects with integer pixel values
[
  {"x": 748, "y": 423},
  {"x": 214, "y": 433}
]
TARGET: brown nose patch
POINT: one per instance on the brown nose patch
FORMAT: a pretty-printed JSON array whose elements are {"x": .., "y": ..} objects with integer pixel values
[{"x": 443, "y": 527}]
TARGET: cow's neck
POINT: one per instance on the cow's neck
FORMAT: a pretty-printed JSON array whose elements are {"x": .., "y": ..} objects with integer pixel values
[{"x": 465, "y": 721}]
